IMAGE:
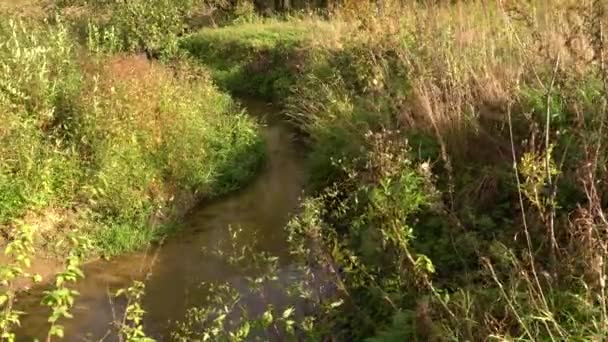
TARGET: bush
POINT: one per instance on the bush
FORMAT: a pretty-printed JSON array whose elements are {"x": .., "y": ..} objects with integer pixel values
[
  {"x": 36, "y": 79},
  {"x": 146, "y": 26}
]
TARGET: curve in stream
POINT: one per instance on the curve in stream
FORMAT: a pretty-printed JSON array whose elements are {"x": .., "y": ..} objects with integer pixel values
[{"x": 262, "y": 208}]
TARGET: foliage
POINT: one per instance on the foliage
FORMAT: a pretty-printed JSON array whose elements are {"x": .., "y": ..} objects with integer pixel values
[
  {"x": 61, "y": 299},
  {"x": 32, "y": 100},
  {"x": 131, "y": 328},
  {"x": 151, "y": 26},
  {"x": 228, "y": 310},
  {"x": 492, "y": 229},
  {"x": 255, "y": 58},
  {"x": 457, "y": 157},
  {"x": 338, "y": 288},
  {"x": 135, "y": 26},
  {"x": 19, "y": 252},
  {"x": 244, "y": 12},
  {"x": 112, "y": 141},
  {"x": 362, "y": 236}
]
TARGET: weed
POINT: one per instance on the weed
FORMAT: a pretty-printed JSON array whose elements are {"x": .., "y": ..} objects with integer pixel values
[
  {"x": 61, "y": 299},
  {"x": 131, "y": 329}
]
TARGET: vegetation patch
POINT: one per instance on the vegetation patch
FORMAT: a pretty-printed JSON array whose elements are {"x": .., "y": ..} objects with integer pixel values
[
  {"x": 486, "y": 112},
  {"x": 457, "y": 160},
  {"x": 259, "y": 58},
  {"x": 116, "y": 140}
]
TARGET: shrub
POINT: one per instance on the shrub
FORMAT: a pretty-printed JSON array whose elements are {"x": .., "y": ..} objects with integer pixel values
[
  {"x": 36, "y": 79},
  {"x": 146, "y": 26}
]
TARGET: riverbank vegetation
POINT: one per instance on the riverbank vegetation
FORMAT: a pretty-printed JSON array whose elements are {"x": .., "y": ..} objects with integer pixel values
[
  {"x": 457, "y": 157},
  {"x": 111, "y": 144}
]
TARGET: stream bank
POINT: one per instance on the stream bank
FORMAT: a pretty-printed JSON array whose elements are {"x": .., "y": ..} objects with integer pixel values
[{"x": 175, "y": 269}]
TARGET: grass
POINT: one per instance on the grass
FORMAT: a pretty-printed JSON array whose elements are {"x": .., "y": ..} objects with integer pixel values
[
  {"x": 496, "y": 112},
  {"x": 25, "y": 8},
  {"x": 260, "y": 58},
  {"x": 113, "y": 139},
  {"x": 456, "y": 152}
]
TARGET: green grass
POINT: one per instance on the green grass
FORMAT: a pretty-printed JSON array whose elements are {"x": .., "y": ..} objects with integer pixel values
[
  {"x": 261, "y": 58},
  {"x": 112, "y": 139},
  {"x": 433, "y": 102}
]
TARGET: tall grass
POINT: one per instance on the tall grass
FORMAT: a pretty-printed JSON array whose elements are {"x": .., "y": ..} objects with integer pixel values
[
  {"x": 113, "y": 145},
  {"x": 500, "y": 111}
]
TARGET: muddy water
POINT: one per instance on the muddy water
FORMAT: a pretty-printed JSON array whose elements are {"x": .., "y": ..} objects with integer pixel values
[{"x": 177, "y": 268}]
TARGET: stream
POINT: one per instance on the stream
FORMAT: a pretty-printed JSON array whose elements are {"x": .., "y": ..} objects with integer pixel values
[{"x": 176, "y": 269}]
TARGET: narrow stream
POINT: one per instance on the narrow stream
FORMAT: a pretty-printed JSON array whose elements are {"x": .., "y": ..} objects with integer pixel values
[{"x": 262, "y": 208}]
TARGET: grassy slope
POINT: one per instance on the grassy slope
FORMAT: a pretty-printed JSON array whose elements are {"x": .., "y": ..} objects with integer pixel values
[
  {"x": 258, "y": 58},
  {"x": 111, "y": 146},
  {"x": 408, "y": 121}
]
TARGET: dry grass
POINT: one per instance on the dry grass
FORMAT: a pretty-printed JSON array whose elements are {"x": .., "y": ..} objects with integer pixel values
[
  {"x": 498, "y": 85},
  {"x": 470, "y": 66},
  {"x": 141, "y": 82},
  {"x": 33, "y": 9},
  {"x": 467, "y": 62}
]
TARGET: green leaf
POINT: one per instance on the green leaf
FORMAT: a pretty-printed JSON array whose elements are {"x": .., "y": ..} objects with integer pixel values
[
  {"x": 244, "y": 331},
  {"x": 288, "y": 312},
  {"x": 267, "y": 318},
  {"x": 3, "y": 299},
  {"x": 424, "y": 263},
  {"x": 56, "y": 330},
  {"x": 336, "y": 304}
]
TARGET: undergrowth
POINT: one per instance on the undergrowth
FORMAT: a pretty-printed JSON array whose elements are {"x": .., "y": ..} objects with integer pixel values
[
  {"x": 115, "y": 145},
  {"x": 457, "y": 162}
]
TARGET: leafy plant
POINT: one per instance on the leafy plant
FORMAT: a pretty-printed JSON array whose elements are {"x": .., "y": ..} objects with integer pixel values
[
  {"x": 131, "y": 328},
  {"x": 19, "y": 252},
  {"x": 141, "y": 26},
  {"x": 61, "y": 299}
]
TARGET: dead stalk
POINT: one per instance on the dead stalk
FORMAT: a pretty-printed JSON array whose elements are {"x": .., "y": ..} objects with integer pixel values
[{"x": 551, "y": 209}]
